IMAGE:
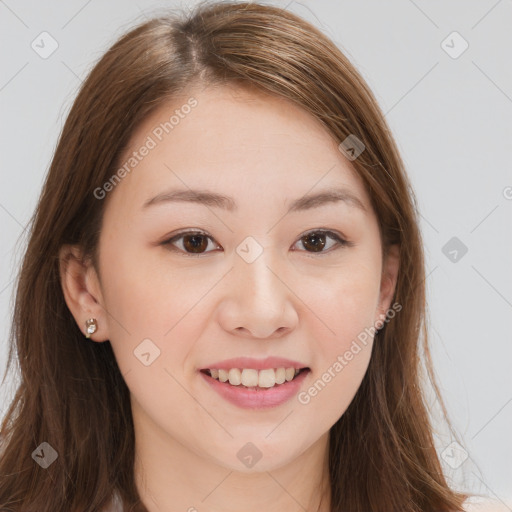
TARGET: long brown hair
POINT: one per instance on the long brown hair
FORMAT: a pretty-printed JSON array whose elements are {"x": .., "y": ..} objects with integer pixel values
[{"x": 72, "y": 395}]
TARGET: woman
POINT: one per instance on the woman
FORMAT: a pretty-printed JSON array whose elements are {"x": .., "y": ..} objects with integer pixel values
[{"x": 222, "y": 299}]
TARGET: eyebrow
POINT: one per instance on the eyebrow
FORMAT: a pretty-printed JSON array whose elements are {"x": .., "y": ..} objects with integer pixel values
[{"x": 209, "y": 198}]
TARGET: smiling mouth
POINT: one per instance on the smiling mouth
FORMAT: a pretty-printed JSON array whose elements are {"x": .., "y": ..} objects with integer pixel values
[{"x": 255, "y": 379}]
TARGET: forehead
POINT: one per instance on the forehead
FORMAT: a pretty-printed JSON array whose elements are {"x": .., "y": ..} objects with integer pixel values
[{"x": 233, "y": 140}]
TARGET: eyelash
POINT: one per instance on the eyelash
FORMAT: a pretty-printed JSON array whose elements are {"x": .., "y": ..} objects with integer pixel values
[{"x": 341, "y": 242}]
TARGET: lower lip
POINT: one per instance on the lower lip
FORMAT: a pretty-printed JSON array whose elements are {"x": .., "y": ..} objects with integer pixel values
[{"x": 257, "y": 398}]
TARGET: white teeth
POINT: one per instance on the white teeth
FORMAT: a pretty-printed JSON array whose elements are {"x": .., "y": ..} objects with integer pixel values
[
  {"x": 235, "y": 376},
  {"x": 251, "y": 378},
  {"x": 289, "y": 374},
  {"x": 280, "y": 375},
  {"x": 267, "y": 378}
]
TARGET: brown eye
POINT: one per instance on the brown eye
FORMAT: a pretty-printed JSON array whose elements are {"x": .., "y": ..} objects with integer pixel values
[
  {"x": 316, "y": 241},
  {"x": 190, "y": 243},
  {"x": 195, "y": 243}
]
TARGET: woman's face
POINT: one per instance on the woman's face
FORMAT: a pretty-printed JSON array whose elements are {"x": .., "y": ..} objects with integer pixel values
[{"x": 263, "y": 279}]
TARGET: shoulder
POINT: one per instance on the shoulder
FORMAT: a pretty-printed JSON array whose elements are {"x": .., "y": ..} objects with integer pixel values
[
  {"x": 116, "y": 505},
  {"x": 484, "y": 504}
]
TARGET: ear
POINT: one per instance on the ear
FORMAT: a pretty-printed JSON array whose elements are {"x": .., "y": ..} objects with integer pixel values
[
  {"x": 82, "y": 291},
  {"x": 389, "y": 278}
]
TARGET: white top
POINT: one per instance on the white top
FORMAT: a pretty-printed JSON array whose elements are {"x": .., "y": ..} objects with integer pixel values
[{"x": 484, "y": 504}]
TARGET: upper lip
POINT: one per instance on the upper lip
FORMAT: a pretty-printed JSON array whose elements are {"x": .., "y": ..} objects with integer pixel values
[{"x": 256, "y": 364}]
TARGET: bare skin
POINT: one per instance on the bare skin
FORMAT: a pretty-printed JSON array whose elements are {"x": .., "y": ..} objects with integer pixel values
[{"x": 291, "y": 301}]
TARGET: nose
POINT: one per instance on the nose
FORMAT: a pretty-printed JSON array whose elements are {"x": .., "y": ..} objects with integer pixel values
[{"x": 258, "y": 303}]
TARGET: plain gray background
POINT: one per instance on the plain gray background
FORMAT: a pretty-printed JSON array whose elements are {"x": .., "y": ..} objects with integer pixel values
[{"x": 451, "y": 114}]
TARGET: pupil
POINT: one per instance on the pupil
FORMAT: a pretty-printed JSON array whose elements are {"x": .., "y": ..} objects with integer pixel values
[
  {"x": 195, "y": 242},
  {"x": 318, "y": 241}
]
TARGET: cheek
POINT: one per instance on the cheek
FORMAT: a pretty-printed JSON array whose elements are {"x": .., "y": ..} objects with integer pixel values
[
  {"x": 139, "y": 293},
  {"x": 154, "y": 314},
  {"x": 348, "y": 297},
  {"x": 347, "y": 307},
  {"x": 333, "y": 387},
  {"x": 341, "y": 359}
]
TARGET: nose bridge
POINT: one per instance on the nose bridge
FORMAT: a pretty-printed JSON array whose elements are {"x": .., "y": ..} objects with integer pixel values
[
  {"x": 259, "y": 284},
  {"x": 260, "y": 302}
]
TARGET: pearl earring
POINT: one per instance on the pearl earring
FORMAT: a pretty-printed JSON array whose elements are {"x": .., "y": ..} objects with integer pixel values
[{"x": 91, "y": 326}]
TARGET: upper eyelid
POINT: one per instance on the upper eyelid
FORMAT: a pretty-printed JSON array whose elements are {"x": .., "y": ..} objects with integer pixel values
[{"x": 199, "y": 232}]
